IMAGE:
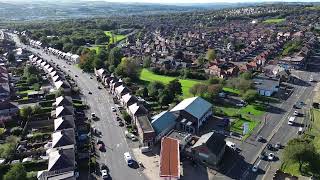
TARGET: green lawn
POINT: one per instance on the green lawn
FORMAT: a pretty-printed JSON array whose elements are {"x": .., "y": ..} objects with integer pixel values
[
  {"x": 117, "y": 37},
  {"x": 291, "y": 168},
  {"x": 256, "y": 112},
  {"x": 232, "y": 91},
  {"x": 149, "y": 76},
  {"x": 274, "y": 20},
  {"x": 237, "y": 125},
  {"x": 315, "y": 130}
]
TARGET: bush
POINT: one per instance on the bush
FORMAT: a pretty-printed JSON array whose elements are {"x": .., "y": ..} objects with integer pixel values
[
  {"x": 50, "y": 97},
  {"x": 126, "y": 117},
  {"x": 36, "y": 86},
  {"x": 46, "y": 103},
  {"x": 16, "y": 131}
]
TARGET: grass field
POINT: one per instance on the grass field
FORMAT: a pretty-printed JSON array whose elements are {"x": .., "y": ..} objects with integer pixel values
[
  {"x": 230, "y": 90},
  {"x": 315, "y": 130},
  {"x": 149, "y": 76},
  {"x": 117, "y": 37},
  {"x": 275, "y": 20}
]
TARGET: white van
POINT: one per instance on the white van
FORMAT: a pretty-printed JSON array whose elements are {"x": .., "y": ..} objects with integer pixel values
[
  {"x": 231, "y": 145},
  {"x": 128, "y": 158},
  {"x": 291, "y": 120}
]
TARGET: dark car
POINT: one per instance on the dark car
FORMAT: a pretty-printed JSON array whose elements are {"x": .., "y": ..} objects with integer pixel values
[
  {"x": 269, "y": 147},
  {"x": 75, "y": 75},
  {"x": 118, "y": 118},
  {"x": 263, "y": 155},
  {"x": 89, "y": 92},
  {"x": 121, "y": 124},
  {"x": 260, "y": 139},
  {"x": 99, "y": 87}
]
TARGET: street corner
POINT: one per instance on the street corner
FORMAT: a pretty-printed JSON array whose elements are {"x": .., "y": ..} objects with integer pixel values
[{"x": 150, "y": 161}]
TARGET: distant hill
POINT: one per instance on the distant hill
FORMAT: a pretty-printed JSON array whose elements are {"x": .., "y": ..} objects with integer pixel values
[{"x": 41, "y": 9}]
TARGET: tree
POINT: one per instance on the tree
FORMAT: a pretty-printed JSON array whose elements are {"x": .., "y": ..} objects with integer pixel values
[
  {"x": 16, "y": 172},
  {"x": 143, "y": 92},
  {"x": 213, "y": 90},
  {"x": 211, "y": 54},
  {"x": 215, "y": 80},
  {"x": 11, "y": 57},
  {"x": 147, "y": 62},
  {"x": 250, "y": 95},
  {"x": 299, "y": 150},
  {"x": 25, "y": 112},
  {"x": 165, "y": 97},
  {"x": 193, "y": 90},
  {"x": 128, "y": 68},
  {"x": 126, "y": 117},
  {"x": 201, "y": 89},
  {"x": 7, "y": 149},
  {"x": 154, "y": 87},
  {"x": 175, "y": 87},
  {"x": 246, "y": 75},
  {"x": 243, "y": 85},
  {"x": 115, "y": 56},
  {"x": 16, "y": 131},
  {"x": 33, "y": 78},
  {"x": 198, "y": 89},
  {"x": 36, "y": 109}
]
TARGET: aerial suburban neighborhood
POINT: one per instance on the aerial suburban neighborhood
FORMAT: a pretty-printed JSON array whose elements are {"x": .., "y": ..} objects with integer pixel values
[{"x": 159, "y": 91}]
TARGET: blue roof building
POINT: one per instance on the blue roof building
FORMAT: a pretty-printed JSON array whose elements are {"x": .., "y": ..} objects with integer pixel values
[{"x": 162, "y": 123}]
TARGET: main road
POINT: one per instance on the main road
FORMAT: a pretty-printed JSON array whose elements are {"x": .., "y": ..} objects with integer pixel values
[
  {"x": 275, "y": 129},
  {"x": 100, "y": 103}
]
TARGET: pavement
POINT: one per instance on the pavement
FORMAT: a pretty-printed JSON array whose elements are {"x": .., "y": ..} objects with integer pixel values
[
  {"x": 100, "y": 103},
  {"x": 275, "y": 129}
]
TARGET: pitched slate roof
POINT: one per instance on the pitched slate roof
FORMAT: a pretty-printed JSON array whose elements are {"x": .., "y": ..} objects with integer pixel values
[
  {"x": 61, "y": 159},
  {"x": 137, "y": 110},
  {"x": 64, "y": 137},
  {"x": 162, "y": 121},
  {"x": 64, "y": 122},
  {"x": 195, "y": 106},
  {"x": 214, "y": 141}
]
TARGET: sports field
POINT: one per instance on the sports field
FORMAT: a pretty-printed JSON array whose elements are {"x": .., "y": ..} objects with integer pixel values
[{"x": 117, "y": 37}]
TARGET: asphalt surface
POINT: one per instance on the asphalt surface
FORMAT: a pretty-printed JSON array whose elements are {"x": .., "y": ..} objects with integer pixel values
[
  {"x": 100, "y": 103},
  {"x": 274, "y": 130}
]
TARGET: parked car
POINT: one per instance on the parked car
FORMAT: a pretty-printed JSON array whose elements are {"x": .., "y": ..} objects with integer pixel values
[
  {"x": 99, "y": 87},
  {"x": 100, "y": 145},
  {"x": 263, "y": 155},
  {"x": 300, "y": 130},
  {"x": 113, "y": 109},
  {"x": 278, "y": 145},
  {"x": 269, "y": 147},
  {"x": 128, "y": 158},
  {"x": 104, "y": 171},
  {"x": 89, "y": 92},
  {"x": 121, "y": 124},
  {"x": 260, "y": 139},
  {"x": 271, "y": 157}
]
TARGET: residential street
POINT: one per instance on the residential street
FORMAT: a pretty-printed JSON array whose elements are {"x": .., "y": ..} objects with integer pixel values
[
  {"x": 100, "y": 103},
  {"x": 274, "y": 130}
]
